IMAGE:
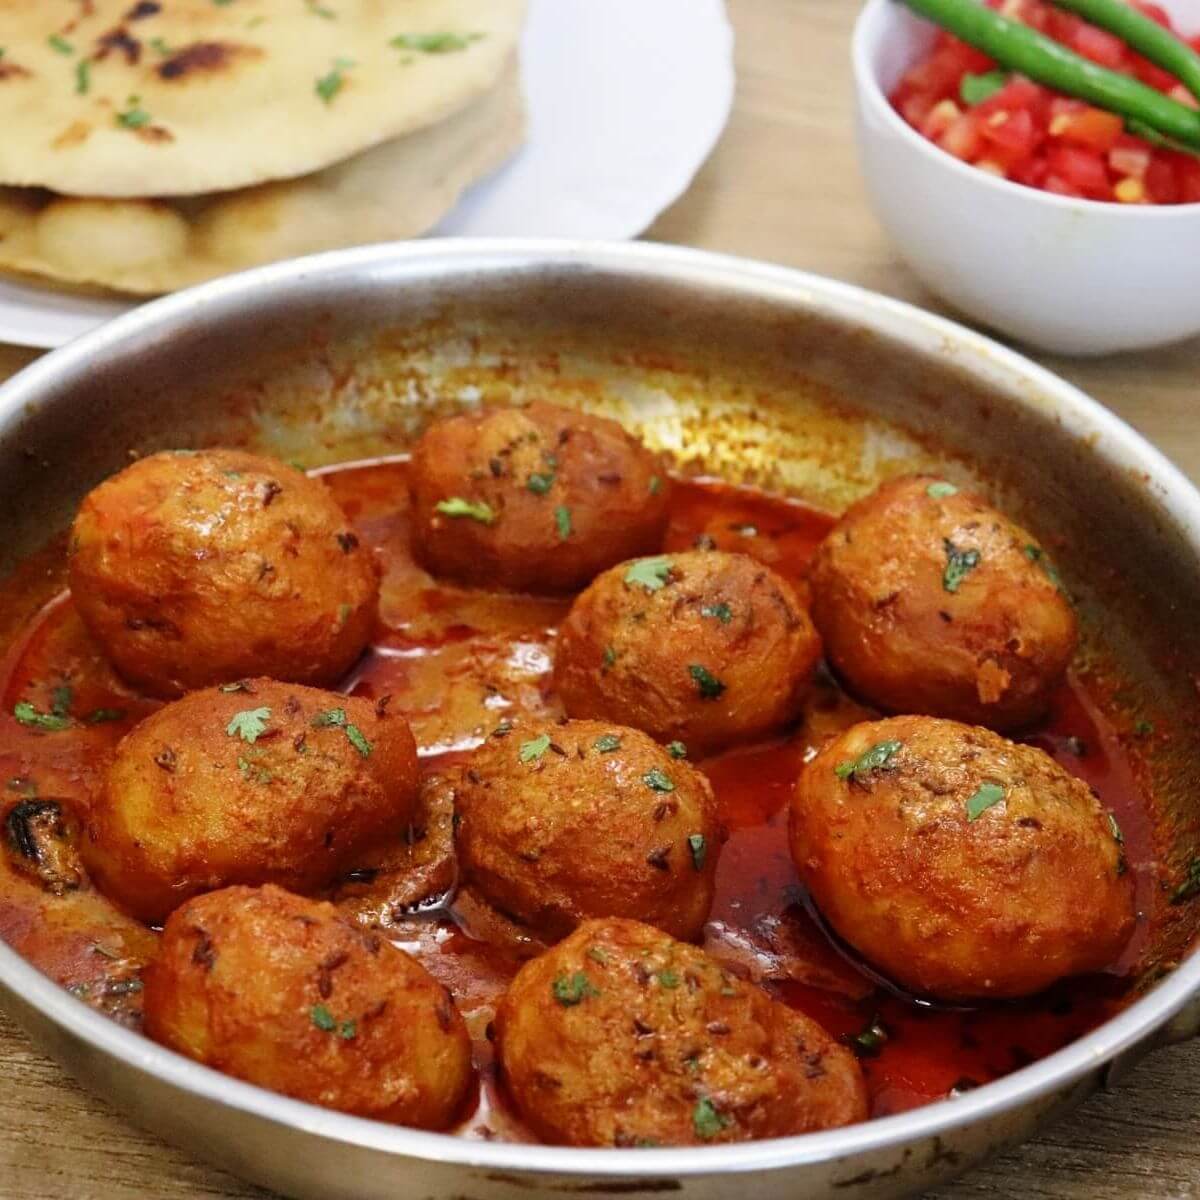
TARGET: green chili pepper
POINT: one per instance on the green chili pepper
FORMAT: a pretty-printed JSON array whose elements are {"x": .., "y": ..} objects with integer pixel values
[
  {"x": 1141, "y": 33},
  {"x": 1018, "y": 48}
]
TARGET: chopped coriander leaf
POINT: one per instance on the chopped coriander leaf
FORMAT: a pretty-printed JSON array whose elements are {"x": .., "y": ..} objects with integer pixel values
[
  {"x": 658, "y": 781},
  {"x": 570, "y": 990},
  {"x": 540, "y": 483},
  {"x": 677, "y": 750},
  {"x": 330, "y": 718},
  {"x": 1190, "y": 887},
  {"x": 159, "y": 46},
  {"x": 61, "y": 699},
  {"x": 1144, "y": 728},
  {"x": 249, "y": 725},
  {"x": 707, "y": 1121},
  {"x": 874, "y": 759},
  {"x": 610, "y": 656},
  {"x": 975, "y": 89},
  {"x": 252, "y": 773},
  {"x": 50, "y": 722},
  {"x": 83, "y": 77},
  {"x": 655, "y": 485},
  {"x": 598, "y": 954},
  {"x": 649, "y": 573},
  {"x": 699, "y": 848},
  {"x": 532, "y": 750},
  {"x": 988, "y": 795},
  {"x": 319, "y": 10},
  {"x": 348, "y": 1030},
  {"x": 322, "y": 1018},
  {"x": 941, "y": 489},
  {"x": 606, "y": 743},
  {"x": 133, "y": 115},
  {"x": 358, "y": 741},
  {"x": 456, "y": 506},
  {"x": 668, "y": 978},
  {"x": 328, "y": 86},
  {"x": 720, "y": 612},
  {"x": 99, "y": 716},
  {"x": 707, "y": 684},
  {"x": 434, "y": 43},
  {"x": 959, "y": 564},
  {"x": 562, "y": 520},
  {"x": 870, "y": 1041},
  {"x": 60, "y": 43}
]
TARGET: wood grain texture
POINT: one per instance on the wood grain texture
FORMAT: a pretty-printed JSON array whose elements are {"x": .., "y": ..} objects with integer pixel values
[{"x": 783, "y": 186}]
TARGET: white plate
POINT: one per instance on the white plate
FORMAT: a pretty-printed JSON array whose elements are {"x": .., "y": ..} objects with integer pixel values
[{"x": 626, "y": 99}]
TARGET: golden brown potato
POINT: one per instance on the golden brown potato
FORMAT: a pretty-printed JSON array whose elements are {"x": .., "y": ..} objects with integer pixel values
[
  {"x": 622, "y": 1036},
  {"x": 284, "y": 993},
  {"x": 961, "y": 864},
  {"x": 195, "y": 569},
  {"x": 558, "y": 823},
  {"x": 704, "y": 648},
  {"x": 535, "y": 499},
  {"x": 254, "y": 782},
  {"x": 929, "y": 601}
]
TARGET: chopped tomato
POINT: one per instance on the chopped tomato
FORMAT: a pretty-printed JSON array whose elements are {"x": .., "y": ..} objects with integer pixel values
[
  {"x": 1100, "y": 46},
  {"x": 1084, "y": 171},
  {"x": 1039, "y": 138},
  {"x": 1189, "y": 181},
  {"x": 1090, "y": 127},
  {"x": 1130, "y": 160},
  {"x": 963, "y": 139},
  {"x": 1162, "y": 186}
]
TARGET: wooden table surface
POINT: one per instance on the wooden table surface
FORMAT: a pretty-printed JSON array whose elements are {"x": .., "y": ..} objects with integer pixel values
[{"x": 782, "y": 186}]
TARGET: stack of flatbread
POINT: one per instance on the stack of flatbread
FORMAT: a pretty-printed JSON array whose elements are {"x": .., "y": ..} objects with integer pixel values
[{"x": 146, "y": 145}]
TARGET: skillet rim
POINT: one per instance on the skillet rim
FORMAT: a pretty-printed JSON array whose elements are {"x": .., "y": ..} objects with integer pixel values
[{"x": 1115, "y": 444}]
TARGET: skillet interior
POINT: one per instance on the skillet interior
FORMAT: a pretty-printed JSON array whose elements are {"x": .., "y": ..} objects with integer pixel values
[{"x": 752, "y": 387}]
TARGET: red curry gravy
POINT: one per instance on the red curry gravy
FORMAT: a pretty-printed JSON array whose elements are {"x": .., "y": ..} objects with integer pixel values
[{"x": 458, "y": 663}]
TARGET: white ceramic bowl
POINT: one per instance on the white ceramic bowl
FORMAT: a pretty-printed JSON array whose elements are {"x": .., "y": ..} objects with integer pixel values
[{"x": 1068, "y": 276}]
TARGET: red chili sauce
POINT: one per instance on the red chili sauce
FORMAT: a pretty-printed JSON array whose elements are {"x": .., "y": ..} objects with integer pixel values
[{"x": 457, "y": 662}]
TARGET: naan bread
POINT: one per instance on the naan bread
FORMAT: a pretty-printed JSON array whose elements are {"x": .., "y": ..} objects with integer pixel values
[
  {"x": 182, "y": 97},
  {"x": 143, "y": 247}
]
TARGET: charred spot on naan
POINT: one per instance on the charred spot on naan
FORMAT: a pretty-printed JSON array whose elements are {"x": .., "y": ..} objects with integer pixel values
[
  {"x": 144, "y": 8},
  {"x": 12, "y": 70},
  {"x": 204, "y": 58},
  {"x": 118, "y": 41}
]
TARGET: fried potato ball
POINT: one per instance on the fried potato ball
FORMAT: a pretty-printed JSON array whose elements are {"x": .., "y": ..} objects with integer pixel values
[
  {"x": 535, "y": 499},
  {"x": 255, "y": 782},
  {"x": 192, "y": 569},
  {"x": 285, "y": 993},
  {"x": 701, "y": 647},
  {"x": 961, "y": 864},
  {"x": 622, "y": 1036},
  {"x": 930, "y": 601},
  {"x": 559, "y": 823}
]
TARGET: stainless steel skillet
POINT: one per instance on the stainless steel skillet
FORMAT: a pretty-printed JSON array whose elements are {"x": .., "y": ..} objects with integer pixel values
[{"x": 754, "y": 372}]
